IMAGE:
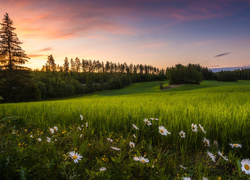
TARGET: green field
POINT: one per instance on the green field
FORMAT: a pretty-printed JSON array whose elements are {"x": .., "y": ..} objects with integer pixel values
[{"x": 222, "y": 108}]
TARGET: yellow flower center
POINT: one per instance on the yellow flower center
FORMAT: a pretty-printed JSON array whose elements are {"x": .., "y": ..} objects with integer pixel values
[
  {"x": 235, "y": 145},
  {"x": 74, "y": 157},
  {"x": 143, "y": 160},
  {"x": 162, "y": 131},
  {"x": 246, "y": 167}
]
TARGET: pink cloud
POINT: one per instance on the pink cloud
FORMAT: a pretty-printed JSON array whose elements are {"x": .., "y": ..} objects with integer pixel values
[{"x": 36, "y": 55}]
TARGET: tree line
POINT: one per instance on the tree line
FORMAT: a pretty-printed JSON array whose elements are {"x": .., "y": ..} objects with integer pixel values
[
  {"x": 95, "y": 66},
  {"x": 75, "y": 77},
  {"x": 19, "y": 83}
]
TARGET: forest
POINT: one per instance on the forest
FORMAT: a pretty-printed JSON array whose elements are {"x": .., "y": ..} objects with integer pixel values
[{"x": 75, "y": 77}]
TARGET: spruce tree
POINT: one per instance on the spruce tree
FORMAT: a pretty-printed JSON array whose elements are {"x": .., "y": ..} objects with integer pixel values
[
  {"x": 51, "y": 65},
  {"x": 11, "y": 54},
  {"x": 66, "y": 65},
  {"x": 15, "y": 79}
]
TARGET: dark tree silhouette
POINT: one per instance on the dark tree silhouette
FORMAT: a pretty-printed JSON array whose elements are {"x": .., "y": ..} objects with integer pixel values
[
  {"x": 66, "y": 65},
  {"x": 15, "y": 79},
  {"x": 51, "y": 65},
  {"x": 11, "y": 54}
]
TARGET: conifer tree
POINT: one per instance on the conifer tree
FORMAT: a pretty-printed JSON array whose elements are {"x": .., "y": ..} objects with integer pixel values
[
  {"x": 72, "y": 65},
  {"x": 66, "y": 65},
  {"x": 51, "y": 63},
  {"x": 11, "y": 54},
  {"x": 77, "y": 64},
  {"x": 15, "y": 79}
]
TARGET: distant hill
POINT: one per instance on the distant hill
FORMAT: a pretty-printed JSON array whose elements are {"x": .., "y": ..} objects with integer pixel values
[{"x": 229, "y": 68}]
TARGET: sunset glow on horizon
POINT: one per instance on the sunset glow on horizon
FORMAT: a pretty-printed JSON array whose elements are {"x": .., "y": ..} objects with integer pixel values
[{"x": 160, "y": 33}]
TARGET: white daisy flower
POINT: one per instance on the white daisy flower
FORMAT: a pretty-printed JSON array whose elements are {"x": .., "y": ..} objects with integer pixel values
[
  {"x": 115, "y": 148},
  {"x": 134, "y": 136},
  {"x": 87, "y": 125},
  {"x": 80, "y": 135},
  {"x": 194, "y": 127},
  {"x": 81, "y": 117},
  {"x": 48, "y": 139},
  {"x": 156, "y": 119},
  {"x": 79, "y": 128},
  {"x": 147, "y": 122},
  {"x": 235, "y": 145},
  {"x": 206, "y": 142},
  {"x": 55, "y": 128},
  {"x": 14, "y": 132},
  {"x": 31, "y": 135},
  {"x": 211, "y": 155},
  {"x": 186, "y": 178},
  {"x": 143, "y": 160},
  {"x": 222, "y": 156},
  {"x": 136, "y": 158},
  {"x": 75, "y": 156},
  {"x": 109, "y": 139},
  {"x": 215, "y": 142},
  {"x": 182, "y": 167},
  {"x": 39, "y": 139},
  {"x": 204, "y": 178},
  {"x": 202, "y": 129},
  {"x": 245, "y": 166},
  {"x": 182, "y": 134},
  {"x": 134, "y": 126},
  {"x": 103, "y": 169},
  {"x": 163, "y": 131},
  {"x": 131, "y": 144},
  {"x": 51, "y": 130}
]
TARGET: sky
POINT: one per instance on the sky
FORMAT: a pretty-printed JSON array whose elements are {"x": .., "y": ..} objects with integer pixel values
[{"x": 161, "y": 33}]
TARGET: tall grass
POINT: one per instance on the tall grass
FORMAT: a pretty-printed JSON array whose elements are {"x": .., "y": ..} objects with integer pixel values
[{"x": 223, "y": 109}]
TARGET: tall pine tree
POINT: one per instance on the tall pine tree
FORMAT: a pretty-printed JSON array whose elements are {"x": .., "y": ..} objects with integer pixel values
[
  {"x": 11, "y": 54},
  {"x": 15, "y": 79}
]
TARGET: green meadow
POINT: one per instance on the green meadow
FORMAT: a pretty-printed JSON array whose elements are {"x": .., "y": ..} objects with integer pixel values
[{"x": 221, "y": 108}]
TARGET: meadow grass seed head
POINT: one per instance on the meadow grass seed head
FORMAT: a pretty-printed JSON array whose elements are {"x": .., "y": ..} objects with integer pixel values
[{"x": 245, "y": 166}]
